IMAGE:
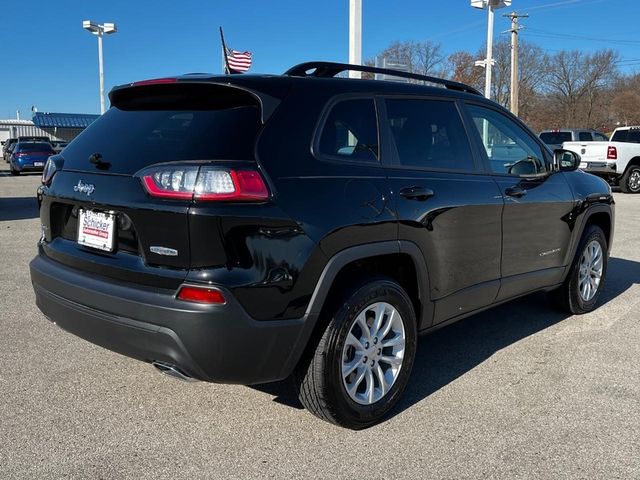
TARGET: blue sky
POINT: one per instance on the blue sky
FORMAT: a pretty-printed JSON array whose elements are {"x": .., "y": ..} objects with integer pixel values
[{"x": 51, "y": 62}]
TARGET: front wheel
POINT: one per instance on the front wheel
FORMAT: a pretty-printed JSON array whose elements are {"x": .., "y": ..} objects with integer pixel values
[
  {"x": 630, "y": 181},
  {"x": 362, "y": 362},
  {"x": 580, "y": 291}
]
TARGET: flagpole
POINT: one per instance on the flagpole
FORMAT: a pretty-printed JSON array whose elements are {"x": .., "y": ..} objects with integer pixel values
[{"x": 224, "y": 54}]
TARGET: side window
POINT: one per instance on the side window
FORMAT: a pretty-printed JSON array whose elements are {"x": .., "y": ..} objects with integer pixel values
[
  {"x": 585, "y": 137},
  {"x": 634, "y": 136},
  {"x": 620, "y": 136},
  {"x": 351, "y": 131},
  {"x": 429, "y": 134},
  {"x": 600, "y": 137},
  {"x": 509, "y": 147}
]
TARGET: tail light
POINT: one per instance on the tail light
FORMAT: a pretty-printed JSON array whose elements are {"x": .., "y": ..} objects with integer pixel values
[
  {"x": 612, "y": 153},
  {"x": 204, "y": 183},
  {"x": 25, "y": 154},
  {"x": 209, "y": 295},
  {"x": 50, "y": 169}
]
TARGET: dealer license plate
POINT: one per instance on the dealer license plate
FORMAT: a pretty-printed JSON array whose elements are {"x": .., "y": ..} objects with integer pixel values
[{"x": 95, "y": 229}]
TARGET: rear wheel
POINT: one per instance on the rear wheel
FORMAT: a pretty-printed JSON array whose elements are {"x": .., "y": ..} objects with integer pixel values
[
  {"x": 14, "y": 171},
  {"x": 579, "y": 294},
  {"x": 362, "y": 362},
  {"x": 630, "y": 181}
]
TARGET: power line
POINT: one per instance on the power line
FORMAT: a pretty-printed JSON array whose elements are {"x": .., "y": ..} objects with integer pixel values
[
  {"x": 543, "y": 33},
  {"x": 565, "y": 3}
]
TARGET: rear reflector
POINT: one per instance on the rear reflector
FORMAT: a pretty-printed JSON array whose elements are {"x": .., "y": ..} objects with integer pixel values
[
  {"x": 612, "y": 153},
  {"x": 186, "y": 182},
  {"x": 201, "y": 295}
]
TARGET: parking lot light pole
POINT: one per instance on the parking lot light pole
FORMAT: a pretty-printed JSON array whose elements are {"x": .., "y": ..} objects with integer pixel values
[
  {"x": 487, "y": 63},
  {"x": 99, "y": 31}
]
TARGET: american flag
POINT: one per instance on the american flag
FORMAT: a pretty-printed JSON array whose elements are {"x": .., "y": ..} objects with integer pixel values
[{"x": 238, "y": 61}]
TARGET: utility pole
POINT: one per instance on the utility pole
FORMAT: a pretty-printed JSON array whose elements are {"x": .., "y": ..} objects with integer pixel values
[
  {"x": 515, "y": 81},
  {"x": 355, "y": 35}
]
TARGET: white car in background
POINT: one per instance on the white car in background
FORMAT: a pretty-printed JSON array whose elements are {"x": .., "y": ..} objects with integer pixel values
[{"x": 617, "y": 161}]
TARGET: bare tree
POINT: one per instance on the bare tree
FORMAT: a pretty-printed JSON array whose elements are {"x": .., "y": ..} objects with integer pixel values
[
  {"x": 568, "y": 89},
  {"x": 427, "y": 57},
  {"x": 625, "y": 107},
  {"x": 424, "y": 57},
  {"x": 461, "y": 67},
  {"x": 576, "y": 80},
  {"x": 500, "y": 85},
  {"x": 532, "y": 70}
]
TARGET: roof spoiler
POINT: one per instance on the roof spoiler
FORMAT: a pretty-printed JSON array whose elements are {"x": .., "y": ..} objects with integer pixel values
[{"x": 267, "y": 103}]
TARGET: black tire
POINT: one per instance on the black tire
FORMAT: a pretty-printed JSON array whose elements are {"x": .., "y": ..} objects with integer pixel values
[
  {"x": 14, "y": 171},
  {"x": 629, "y": 182},
  {"x": 568, "y": 295},
  {"x": 318, "y": 379}
]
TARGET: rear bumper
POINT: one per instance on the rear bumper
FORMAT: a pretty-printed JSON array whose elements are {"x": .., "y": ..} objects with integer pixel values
[
  {"x": 28, "y": 167},
  {"x": 603, "y": 169},
  {"x": 217, "y": 343}
]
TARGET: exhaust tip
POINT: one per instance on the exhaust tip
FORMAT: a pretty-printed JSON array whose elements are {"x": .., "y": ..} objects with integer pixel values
[{"x": 172, "y": 371}]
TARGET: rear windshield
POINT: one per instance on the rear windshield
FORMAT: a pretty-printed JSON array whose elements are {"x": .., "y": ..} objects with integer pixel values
[
  {"x": 34, "y": 146},
  {"x": 555, "y": 138},
  {"x": 137, "y": 134}
]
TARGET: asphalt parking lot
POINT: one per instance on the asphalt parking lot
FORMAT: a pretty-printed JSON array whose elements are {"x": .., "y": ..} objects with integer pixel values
[{"x": 520, "y": 391}]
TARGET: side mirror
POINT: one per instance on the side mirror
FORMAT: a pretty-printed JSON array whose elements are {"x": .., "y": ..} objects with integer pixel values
[{"x": 565, "y": 160}]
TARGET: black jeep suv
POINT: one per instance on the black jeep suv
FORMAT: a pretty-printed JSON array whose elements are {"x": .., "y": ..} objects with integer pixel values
[{"x": 246, "y": 229}]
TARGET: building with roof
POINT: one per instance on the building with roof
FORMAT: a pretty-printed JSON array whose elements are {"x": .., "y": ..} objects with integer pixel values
[
  {"x": 56, "y": 126},
  {"x": 14, "y": 128},
  {"x": 64, "y": 126}
]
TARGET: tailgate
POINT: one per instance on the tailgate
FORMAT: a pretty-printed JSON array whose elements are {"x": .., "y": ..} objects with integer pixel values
[{"x": 588, "y": 151}]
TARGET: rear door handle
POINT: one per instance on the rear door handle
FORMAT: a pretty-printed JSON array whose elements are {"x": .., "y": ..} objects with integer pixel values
[
  {"x": 515, "y": 192},
  {"x": 416, "y": 193}
]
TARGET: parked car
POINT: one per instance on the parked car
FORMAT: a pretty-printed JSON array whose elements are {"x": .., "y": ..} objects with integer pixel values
[
  {"x": 246, "y": 229},
  {"x": 58, "y": 145},
  {"x": 7, "y": 146},
  {"x": 33, "y": 138},
  {"x": 617, "y": 161},
  {"x": 29, "y": 156},
  {"x": 555, "y": 138}
]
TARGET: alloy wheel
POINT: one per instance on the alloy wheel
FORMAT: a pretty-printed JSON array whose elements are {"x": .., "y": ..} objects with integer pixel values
[
  {"x": 591, "y": 267},
  {"x": 634, "y": 181},
  {"x": 373, "y": 353}
]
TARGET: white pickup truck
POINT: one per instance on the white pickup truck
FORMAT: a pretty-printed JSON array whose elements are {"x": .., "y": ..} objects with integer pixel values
[{"x": 617, "y": 161}]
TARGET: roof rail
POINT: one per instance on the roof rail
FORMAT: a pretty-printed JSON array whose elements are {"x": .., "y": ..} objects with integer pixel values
[{"x": 331, "y": 69}]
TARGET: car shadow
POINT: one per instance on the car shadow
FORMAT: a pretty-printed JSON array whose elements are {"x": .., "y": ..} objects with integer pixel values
[
  {"x": 452, "y": 351},
  {"x": 18, "y": 208}
]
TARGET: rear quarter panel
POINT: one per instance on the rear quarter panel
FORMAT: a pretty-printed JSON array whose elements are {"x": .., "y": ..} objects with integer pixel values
[
  {"x": 593, "y": 195},
  {"x": 331, "y": 205}
]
